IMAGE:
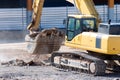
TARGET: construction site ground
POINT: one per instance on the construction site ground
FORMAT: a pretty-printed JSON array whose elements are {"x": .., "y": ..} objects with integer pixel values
[{"x": 12, "y": 49}]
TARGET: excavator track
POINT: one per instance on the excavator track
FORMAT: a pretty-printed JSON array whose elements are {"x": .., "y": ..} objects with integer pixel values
[{"x": 78, "y": 61}]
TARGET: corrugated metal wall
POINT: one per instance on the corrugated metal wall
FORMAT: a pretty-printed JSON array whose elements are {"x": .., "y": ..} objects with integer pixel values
[
  {"x": 12, "y": 19},
  {"x": 103, "y": 12},
  {"x": 53, "y": 17},
  {"x": 15, "y": 18}
]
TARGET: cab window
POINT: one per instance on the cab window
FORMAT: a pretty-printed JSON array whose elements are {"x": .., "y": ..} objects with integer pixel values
[
  {"x": 71, "y": 24},
  {"x": 88, "y": 24},
  {"x": 77, "y": 24}
]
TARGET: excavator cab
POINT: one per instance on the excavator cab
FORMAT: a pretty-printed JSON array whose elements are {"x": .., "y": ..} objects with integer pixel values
[{"x": 78, "y": 24}]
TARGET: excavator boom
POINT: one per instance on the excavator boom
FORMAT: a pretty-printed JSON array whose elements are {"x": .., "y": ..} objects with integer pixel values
[{"x": 86, "y": 7}]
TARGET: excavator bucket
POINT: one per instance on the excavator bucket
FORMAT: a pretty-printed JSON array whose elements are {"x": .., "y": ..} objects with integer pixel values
[{"x": 44, "y": 42}]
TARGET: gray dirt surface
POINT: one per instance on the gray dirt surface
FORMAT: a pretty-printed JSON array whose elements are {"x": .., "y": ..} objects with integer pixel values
[
  {"x": 12, "y": 51},
  {"x": 47, "y": 73}
]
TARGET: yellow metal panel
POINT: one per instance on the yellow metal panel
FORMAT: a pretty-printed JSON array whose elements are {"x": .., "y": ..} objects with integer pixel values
[
  {"x": 114, "y": 44},
  {"x": 86, "y": 7},
  {"x": 87, "y": 40},
  {"x": 110, "y": 44},
  {"x": 104, "y": 41},
  {"x": 82, "y": 16}
]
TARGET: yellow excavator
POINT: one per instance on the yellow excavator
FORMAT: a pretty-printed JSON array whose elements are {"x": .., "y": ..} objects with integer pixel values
[{"x": 99, "y": 40}]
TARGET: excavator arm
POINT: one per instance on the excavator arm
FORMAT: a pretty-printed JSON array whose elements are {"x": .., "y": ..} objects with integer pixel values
[
  {"x": 41, "y": 41},
  {"x": 36, "y": 16}
]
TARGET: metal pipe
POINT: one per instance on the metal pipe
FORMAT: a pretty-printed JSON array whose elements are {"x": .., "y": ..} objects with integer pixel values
[{"x": 111, "y": 10}]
